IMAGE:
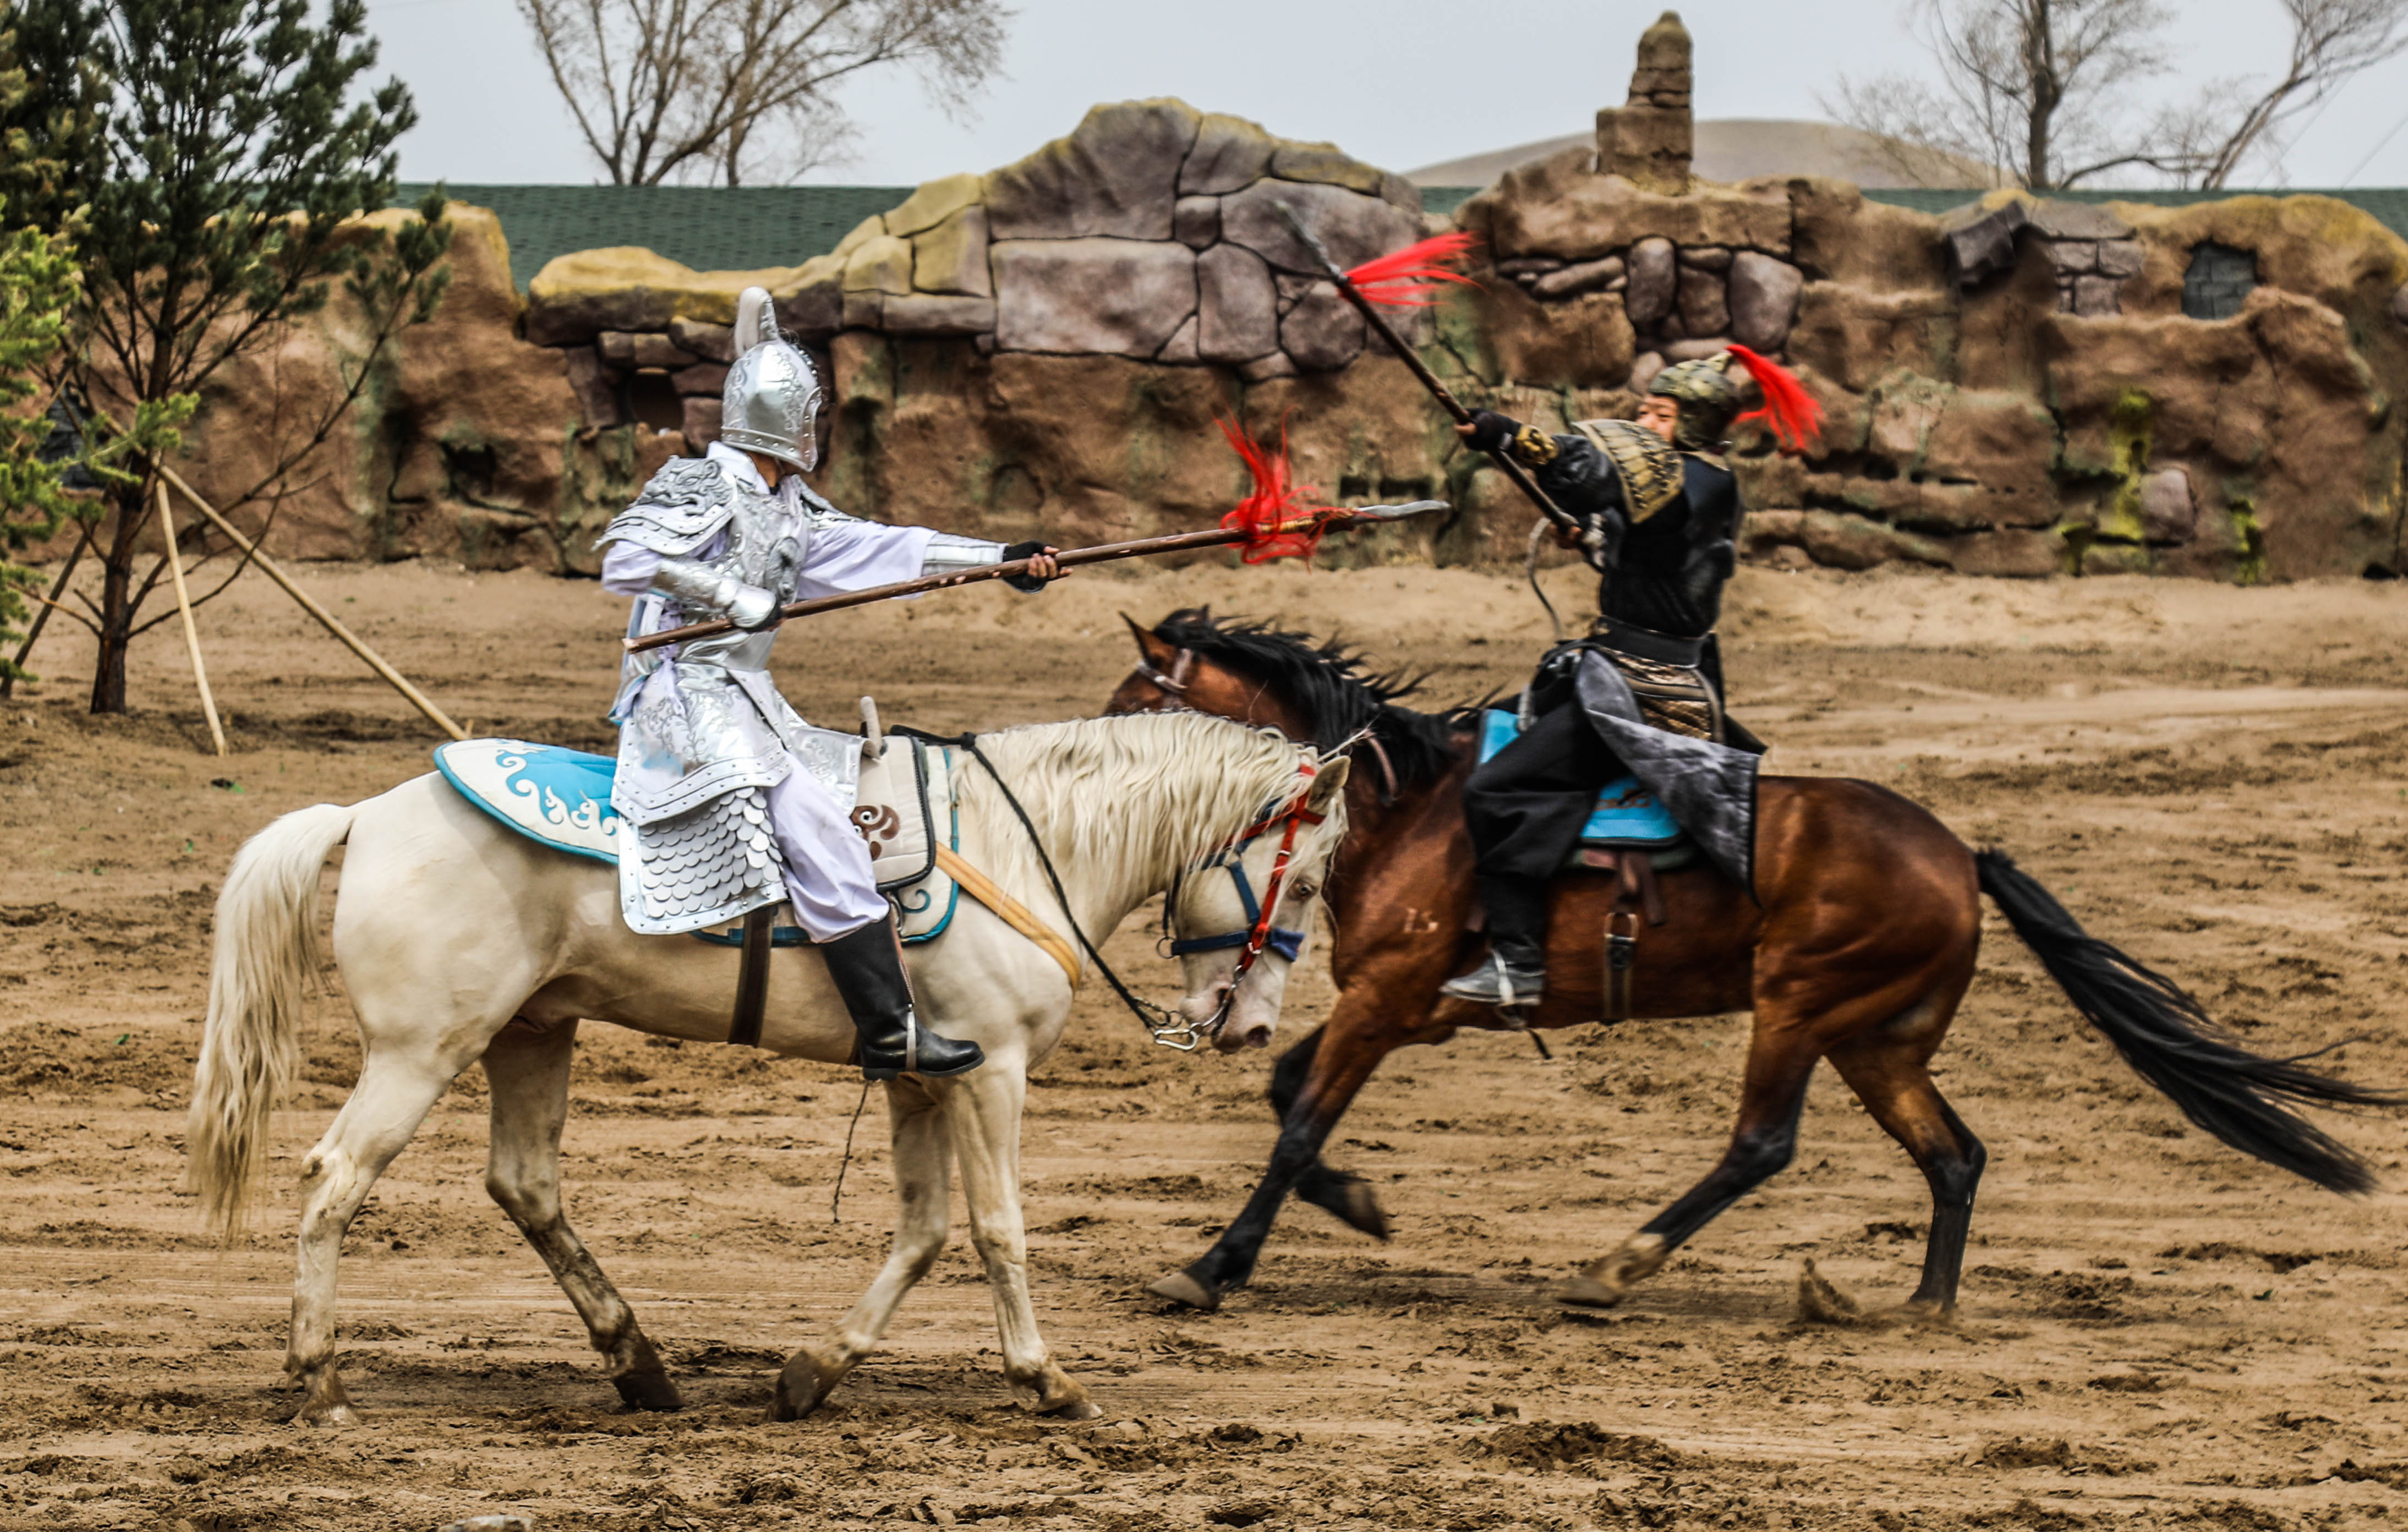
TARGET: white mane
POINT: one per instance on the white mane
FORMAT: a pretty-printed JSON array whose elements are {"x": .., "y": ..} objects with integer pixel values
[{"x": 1135, "y": 797}]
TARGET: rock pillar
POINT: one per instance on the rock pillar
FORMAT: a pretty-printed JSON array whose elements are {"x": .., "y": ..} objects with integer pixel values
[{"x": 1649, "y": 138}]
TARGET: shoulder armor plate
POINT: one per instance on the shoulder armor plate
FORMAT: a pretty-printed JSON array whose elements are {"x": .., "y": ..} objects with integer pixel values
[
  {"x": 687, "y": 501},
  {"x": 819, "y": 511},
  {"x": 1648, "y": 466}
]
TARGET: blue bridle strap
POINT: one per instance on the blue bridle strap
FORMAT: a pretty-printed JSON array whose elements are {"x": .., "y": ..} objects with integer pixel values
[{"x": 1286, "y": 943}]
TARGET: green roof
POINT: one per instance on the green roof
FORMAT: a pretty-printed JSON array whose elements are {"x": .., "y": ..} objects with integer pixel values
[
  {"x": 2386, "y": 205},
  {"x": 709, "y": 228},
  {"x": 745, "y": 228}
]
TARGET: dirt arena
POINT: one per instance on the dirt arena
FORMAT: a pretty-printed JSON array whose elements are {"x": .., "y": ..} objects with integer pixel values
[{"x": 2155, "y": 1332}]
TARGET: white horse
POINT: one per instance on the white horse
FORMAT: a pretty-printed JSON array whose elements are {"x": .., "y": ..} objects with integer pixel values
[{"x": 459, "y": 940}]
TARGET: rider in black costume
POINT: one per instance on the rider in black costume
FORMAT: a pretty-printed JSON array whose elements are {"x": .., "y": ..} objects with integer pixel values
[{"x": 1660, "y": 513}]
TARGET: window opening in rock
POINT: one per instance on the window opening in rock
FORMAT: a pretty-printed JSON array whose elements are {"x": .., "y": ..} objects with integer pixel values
[{"x": 2219, "y": 280}]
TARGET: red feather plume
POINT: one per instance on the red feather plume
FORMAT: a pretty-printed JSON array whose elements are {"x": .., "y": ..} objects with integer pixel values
[
  {"x": 1277, "y": 522},
  {"x": 1406, "y": 279},
  {"x": 1788, "y": 409}
]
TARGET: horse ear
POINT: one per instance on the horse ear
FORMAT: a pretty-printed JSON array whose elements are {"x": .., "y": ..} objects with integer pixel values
[
  {"x": 1156, "y": 652},
  {"x": 1330, "y": 782}
]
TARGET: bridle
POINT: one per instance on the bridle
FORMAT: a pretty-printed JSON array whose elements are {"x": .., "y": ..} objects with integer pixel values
[{"x": 1260, "y": 934}]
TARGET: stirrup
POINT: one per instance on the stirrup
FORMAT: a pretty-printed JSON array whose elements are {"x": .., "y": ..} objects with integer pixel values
[
  {"x": 967, "y": 1055},
  {"x": 1493, "y": 984}
]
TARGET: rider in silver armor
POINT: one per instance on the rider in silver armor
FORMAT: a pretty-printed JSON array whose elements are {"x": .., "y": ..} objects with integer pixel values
[{"x": 730, "y": 801}]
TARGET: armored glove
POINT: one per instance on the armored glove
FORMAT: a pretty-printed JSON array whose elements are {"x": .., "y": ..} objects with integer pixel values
[{"x": 1016, "y": 552}]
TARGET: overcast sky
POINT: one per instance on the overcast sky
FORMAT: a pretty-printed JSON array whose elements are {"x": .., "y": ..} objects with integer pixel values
[{"x": 1399, "y": 83}]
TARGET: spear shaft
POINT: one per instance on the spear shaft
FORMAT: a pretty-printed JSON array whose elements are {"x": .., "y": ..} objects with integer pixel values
[
  {"x": 1420, "y": 369},
  {"x": 1101, "y": 553}
]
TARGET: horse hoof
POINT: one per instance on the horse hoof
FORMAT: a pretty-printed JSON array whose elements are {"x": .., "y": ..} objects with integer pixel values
[
  {"x": 1179, "y": 1287},
  {"x": 651, "y": 1390},
  {"x": 333, "y": 1415},
  {"x": 1351, "y": 1202},
  {"x": 1587, "y": 1292},
  {"x": 1081, "y": 1408},
  {"x": 803, "y": 1384}
]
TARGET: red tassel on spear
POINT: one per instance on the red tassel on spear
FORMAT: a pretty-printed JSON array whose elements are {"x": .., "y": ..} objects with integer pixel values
[
  {"x": 1275, "y": 519},
  {"x": 1409, "y": 277}
]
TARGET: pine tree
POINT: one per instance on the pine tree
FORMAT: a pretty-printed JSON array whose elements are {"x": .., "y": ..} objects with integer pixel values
[{"x": 233, "y": 158}]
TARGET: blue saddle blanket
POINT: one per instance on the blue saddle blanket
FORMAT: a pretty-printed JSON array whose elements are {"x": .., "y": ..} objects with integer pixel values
[
  {"x": 561, "y": 798},
  {"x": 1626, "y": 814}
]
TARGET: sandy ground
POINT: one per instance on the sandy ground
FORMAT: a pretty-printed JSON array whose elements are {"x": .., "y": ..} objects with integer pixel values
[{"x": 2155, "y": 1332}]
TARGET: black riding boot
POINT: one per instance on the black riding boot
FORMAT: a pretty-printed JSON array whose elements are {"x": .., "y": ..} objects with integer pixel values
[
  {"x": 1515, "y": 972},
  {"x": 868, "y": 968}
]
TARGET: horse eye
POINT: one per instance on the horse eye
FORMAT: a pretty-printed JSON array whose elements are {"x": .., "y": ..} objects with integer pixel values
[{"x": 1305, "y": 891}]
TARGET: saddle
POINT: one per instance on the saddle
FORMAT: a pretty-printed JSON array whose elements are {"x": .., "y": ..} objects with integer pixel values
[{"x": 1630, "y": 835}]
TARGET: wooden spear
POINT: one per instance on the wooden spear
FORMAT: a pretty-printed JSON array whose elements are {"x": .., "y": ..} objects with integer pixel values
[
  {"x": 184, "y": 609},
  {"x": 1069, "y": 557},
  {"x": 350, "y": 640},
  {"x": 1411, "y": 359}
]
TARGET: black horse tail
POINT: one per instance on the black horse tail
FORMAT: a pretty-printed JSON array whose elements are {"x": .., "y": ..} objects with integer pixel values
[{"x": 2241, "y": 1098}]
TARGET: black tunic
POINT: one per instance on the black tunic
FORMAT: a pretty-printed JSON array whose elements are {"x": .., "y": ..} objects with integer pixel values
[{"x": 1665, "y": 574}]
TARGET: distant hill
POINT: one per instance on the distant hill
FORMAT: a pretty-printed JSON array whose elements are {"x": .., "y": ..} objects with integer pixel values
[{"x": 1736, "y": 148}]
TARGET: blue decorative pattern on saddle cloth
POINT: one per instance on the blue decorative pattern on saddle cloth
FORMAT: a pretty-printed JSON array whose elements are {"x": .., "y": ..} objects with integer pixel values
[
  {"x": 1627, "y": 814},
  {"x": 561, "y": 798}
]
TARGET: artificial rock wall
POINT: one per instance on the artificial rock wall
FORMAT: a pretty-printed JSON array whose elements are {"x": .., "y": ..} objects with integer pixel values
[{"x": 2025, "y": 388}]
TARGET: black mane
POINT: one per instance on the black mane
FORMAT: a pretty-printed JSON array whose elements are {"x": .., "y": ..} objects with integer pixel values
[{"x": 1328, "y": 683}]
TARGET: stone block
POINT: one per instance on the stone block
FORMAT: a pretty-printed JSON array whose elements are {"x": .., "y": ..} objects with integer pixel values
[
  {"x": 1353, "y": 227},
  {"x": 1322, "y": 332},
  {"x": 1649, "y": 146},
  {"x": 1230, "y": 154},
  {"x": 2056, "y": 220},
  {"x": 596, "y": 388},
  {"x": 2016, "y": 553},
  {"x": 932, "y": 314},
  {"x": 1705, "y": 308},
  {"x": 1195, "y": 221},
  {"x": 1119, "y": 297},
  {"x": 865, "y": 310},
  {"x": 1180, "y": 350},
  {"x": 1582, "y": 342},
  {"x": 1982, "y": 245},
  {"x": 1116, "y": 175},
  {"x": 1262, "y": 369},
  {"x": 952, "y": 256},
  {"x": 701, "y": 419},
  {"x": 702, "y": 378},
  {"x": 1695, "y": 349},
  {"x": 2003, "y": 442},
  {"x": 934, "y": 201},
  {"x": 1327, "y": 164},
  {"x": 816, "y": 311},
  {"x": 710, "y": 342},
  {"x": 2096, "y": 296},
  {"x": 1237, "y": 306},
  {"x": 1707, "y": 257},
  {"x": 882, "y": 264},
  {"x": 2168, "y": 512},
  {"x": 1763, "y": 297},
  {"x": 625, "y": 349},
  {"x": 2122, "y": 259},
  {"x": 2071, "y": 257},
  {"x": 1643, "y": 368},
  {"x": 1838, "y": 540},
  {"x": 1579, "y": 277},
  {"x": 1654, "y": 279}
]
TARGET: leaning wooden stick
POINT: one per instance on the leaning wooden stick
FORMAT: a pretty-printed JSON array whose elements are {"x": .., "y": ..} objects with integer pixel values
[
  {"x": 350, "y": 640},
  {"x": 1069, "y": 557},
  {"x": 184, "y": 609},
  {"x": 1369, "y": 309},
  {"x": 49, "y": 604}
]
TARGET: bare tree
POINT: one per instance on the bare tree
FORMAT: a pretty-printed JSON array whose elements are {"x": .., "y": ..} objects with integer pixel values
[
  {"x": 2234, "y": 123},
  {"x": 2037, "y": 89},
  {"x": 2042, "y": 89},
  {"x": 720, "y": 91}
]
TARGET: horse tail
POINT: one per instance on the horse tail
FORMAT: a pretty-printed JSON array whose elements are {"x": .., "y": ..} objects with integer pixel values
[
  {"x": 268, "y": 951},
  {"x": 2241, "y": 1098}
]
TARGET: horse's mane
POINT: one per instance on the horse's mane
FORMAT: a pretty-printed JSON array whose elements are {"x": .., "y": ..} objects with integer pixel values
[
  {"x": 1219, "y": 777},
  {"x": 1329, "y": 683}
]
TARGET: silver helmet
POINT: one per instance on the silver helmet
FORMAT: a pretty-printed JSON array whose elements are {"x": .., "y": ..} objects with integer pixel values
[{"x": 772, "y": 396}]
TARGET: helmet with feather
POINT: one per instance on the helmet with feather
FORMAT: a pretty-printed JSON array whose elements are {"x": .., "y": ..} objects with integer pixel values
[
  {"x": 771, "y": 400},
  {"x": 1707, "y": 398}
]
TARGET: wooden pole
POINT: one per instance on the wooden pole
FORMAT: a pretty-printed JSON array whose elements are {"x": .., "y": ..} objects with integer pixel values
[
  {"x": 1068, "y": 558},
  {"x": 350, "y": 640},
  {"x": 42, "y": 618},
  {"x": 192, "y": 634}
]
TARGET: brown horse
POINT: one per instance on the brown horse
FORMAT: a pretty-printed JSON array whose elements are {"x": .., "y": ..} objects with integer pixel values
[{"x": 1856, "y": 945}]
